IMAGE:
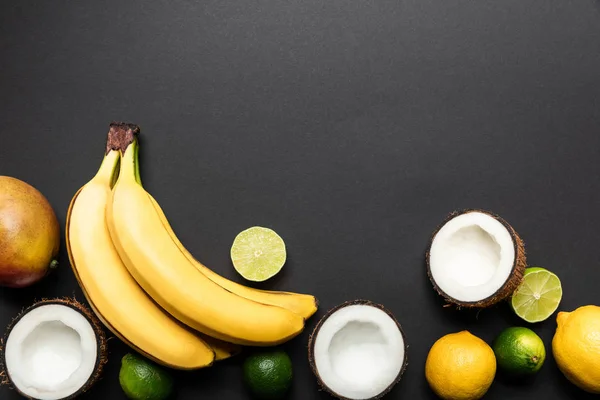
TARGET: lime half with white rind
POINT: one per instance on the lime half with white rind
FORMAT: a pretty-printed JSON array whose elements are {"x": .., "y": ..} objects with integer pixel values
[
  {"x": 258, "y": 253},
  {"x": 538, "y": 296}
]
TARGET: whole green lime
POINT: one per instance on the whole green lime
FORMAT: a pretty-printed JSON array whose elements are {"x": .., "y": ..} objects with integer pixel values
[
  {"x": 141, "y": 379},
  {"x": 268, "y": 375},
  {"x": 519, "y": 351}
]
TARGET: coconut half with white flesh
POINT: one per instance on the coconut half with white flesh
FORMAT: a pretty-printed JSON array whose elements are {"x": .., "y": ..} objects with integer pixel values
[
  {"x": 358, "y": 351},
  {"x": 475, "y": 259},
  {"x": 53, "y": 350}
]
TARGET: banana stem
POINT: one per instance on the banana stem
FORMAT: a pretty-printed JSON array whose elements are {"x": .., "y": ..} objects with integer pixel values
[
  {"x": 136, "y": 162},
  {"x": 109, "y": 168},
  {"x": 120, "y": 137},
  {"x": 130, "y": 166}
]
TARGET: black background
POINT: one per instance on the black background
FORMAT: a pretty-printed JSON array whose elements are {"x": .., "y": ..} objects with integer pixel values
[{"x": 350, "y": 127}]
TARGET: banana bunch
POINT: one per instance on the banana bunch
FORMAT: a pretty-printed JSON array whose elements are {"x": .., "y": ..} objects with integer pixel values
[{"x": 148, "y": 289}]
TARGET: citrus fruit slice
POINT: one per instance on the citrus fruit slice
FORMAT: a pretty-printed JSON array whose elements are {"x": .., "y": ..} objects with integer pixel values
[
  {"x": 519, "y": 351},
  {"x": 258, "y": 253},
  {"x": 538, "y": 296}
]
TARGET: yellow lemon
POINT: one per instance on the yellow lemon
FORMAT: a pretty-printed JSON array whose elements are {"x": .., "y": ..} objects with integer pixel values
[
  {"x": 460, "y": 366},
  {"x": 576, "y": 347}
]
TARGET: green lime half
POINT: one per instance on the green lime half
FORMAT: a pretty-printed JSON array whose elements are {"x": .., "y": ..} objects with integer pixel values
[
  {"x": 141, "y": 379},
  {"x": 258, "y": 253},
  {"x": 268, "y": 375},
  {"x": 538, "y": 296},
  {"x": 519, "y": 351}
]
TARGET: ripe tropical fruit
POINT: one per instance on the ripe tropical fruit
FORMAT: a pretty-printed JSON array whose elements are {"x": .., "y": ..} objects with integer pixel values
[
  {"x": 54, "y": 349},
  {"x": 117, "y": 299},
  {"x": 460, "y": 366},
  {"x": 576, "y": 347},
  {"x": 358, "y": 351},
  {"x": 29, "y": 234},
  {"x": 538, "y": 296},
  {"x": 258, "y": 253},
  {"x": 475, "y": 259},
  {"x": 157, "y": 263},
  {"x": 302, "y": 304},
  {"x": 142, "y": 380},
  {"x": 268, "y": 375},
  {"x": 519, "y": 351}
]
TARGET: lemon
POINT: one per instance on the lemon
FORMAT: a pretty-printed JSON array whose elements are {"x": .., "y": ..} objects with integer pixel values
[
  {"x": 460, "y": 366},
  {"x": 258, "y": 253},
  {"x": 576, "y": 347},
  {"x": 538, "y": 296},
  {"x": 519, "y": 351}
]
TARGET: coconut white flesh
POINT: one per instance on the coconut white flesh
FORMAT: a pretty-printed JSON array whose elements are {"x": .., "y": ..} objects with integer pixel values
[
  {"x": 359, "y": 351},
  {"x": 51, "y": 352},
  {"x": 472, "y": 256}
]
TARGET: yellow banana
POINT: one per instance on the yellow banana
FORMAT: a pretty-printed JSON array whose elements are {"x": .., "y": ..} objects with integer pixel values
[
  {"x": 112, "y": 292},
  {"x": 165, "y": 273},
  {"x": 304, "y": 305},
  {"x": 223, "y": 350}
]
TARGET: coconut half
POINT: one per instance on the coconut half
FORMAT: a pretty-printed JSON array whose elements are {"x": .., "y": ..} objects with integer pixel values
[
  {"x": 53, "y": 350},
  {"x": 358, "y": 351},
  {"x": 475, "y": 259}
]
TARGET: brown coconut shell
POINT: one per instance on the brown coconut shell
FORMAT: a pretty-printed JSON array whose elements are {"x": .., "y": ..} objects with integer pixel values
[
  {"x": 516, "y": 274},
  {"x": 101, "y": 358},
  {"x": 313, "y": 336}
]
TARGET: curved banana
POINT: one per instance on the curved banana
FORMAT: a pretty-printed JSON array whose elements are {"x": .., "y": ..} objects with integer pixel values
[
  {"x": 223, "y": 350},
  {"x": 165, "y": 273},
  {"x": 304, "y": 305},
  {"x": 112, "y": 292}
]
